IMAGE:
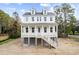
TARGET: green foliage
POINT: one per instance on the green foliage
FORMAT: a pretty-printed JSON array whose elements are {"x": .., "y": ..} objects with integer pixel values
[
  {"x": 64, "y": 16},
  {"x": 10, "y": 25},
  {"x": 5, "y": 21},
  {"x": 15, "y": 30}
]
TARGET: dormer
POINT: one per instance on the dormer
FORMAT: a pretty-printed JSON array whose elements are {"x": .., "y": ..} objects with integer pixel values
[
  {"x": 44, "y": 12},
  {"x": 32, "y": 11}
]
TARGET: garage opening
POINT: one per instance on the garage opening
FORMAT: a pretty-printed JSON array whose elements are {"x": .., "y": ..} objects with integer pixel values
[
  {"x": 32, "y": 41},
  {"x": 25, "y": 40}
]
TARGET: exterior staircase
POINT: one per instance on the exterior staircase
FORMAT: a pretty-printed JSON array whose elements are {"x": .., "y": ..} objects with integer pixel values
[{"x": 53, "y": 43}]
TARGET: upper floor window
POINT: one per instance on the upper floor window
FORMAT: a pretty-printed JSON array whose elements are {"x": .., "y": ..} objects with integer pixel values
[
  {"x": 55, "y": 29},
  {"x": 26, "y": 29},
  {"x": 40, "y": 18},
  {"x": 32, "y": 11},
  {"x": 37, "y": 18},
  {"x": 51, "y": 29},
  {"x": 33, "y": 29},
  {"x": 50, "y": 18},
  {"x": 44, "y": 11},
  {"x": 45, "y": 29},
  {"x": 39, "y": 29},
  {"x": 32, "y": 18},
  {"x": 45, "y": 19},
  {"x": 26, "y": 18}
]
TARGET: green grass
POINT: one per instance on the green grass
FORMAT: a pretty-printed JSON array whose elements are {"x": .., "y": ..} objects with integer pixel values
[
  {"x": 5, "y": 41},
  {"x": 74, "y": 38}
]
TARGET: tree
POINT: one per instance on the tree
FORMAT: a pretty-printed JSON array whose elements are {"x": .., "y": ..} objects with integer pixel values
[
  {"x": 66, "y": 10},
  {"x": 64, "y": 16},
  {"x": 5, "y": 21},
  {"x": 58, "y": 18},
  {"x": 15, "y": 30}
]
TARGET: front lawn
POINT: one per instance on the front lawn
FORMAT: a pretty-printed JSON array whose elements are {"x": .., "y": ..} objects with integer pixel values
[{"x": 4, "y": 39}]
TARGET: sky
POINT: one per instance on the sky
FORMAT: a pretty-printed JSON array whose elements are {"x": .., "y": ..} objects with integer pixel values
[{"x": 21, "y": 8}]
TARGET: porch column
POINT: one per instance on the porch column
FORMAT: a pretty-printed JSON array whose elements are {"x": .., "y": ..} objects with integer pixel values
[
  {"x": 28, "y": 30},
  {"x": 56, "y": 41},
  {"x": 48, "y": 29},
  {"x": 28, "y": 41},
  {"x": 42, "y": 30},
  {"x": 35, "y": 30},
  {"x": 36, "y": 42},
  {"x": 42, "y": 43}
]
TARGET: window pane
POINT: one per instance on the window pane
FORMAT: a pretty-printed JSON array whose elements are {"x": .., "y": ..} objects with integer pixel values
[
  {"x": 26, "y": 18},
  {"x": 40, "y": 18},
  {"x": 39, "y": 29},
  {"x": 37, "y": 19},
  {"x": 32, "y": 18},
  {"x": 25, "y": 40},
  {"x": 44, "y": 18},
  {"x": 55, "y": 28},
  {"x": 32, "y": 11},
  {"x": 51, "y": 29},
  {"x": 44, "y": 11},
  {"x": 33, "y": 29},
  {"x": 45, "y": 29},
  {"x": 26, "y": 29},
  {"x": 50, "y": 18}
]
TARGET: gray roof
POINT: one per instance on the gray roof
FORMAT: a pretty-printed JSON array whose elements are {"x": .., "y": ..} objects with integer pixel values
[{"x": 38, "y": 13}]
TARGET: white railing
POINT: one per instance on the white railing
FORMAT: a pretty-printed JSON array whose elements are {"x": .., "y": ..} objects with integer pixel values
[{"x": 50, "y": 41}]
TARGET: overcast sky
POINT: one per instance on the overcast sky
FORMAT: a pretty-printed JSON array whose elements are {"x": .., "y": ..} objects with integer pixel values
[{"x": 23, "y": 7}]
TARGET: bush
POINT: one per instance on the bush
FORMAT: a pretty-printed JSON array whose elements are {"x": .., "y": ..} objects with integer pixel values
[{"x": 14, "y": 35}]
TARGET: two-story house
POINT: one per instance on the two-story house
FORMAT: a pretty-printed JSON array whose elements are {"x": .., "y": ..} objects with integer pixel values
[{"x": 39, "y": 26}]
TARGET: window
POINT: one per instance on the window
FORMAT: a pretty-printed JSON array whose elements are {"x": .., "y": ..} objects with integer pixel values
[
  {"x": 44, "y": 11},
  {"x": 40, "y": 18},
  {"x": 33, "y": 29},
  {"x": 32, "y": 11},
  {"x": 37, "y": 18},
  {"x": 45, "y": 29},
  {"x": 44, "y": 18},
  {"x": 52, "y": 38},
  {"x": 55, "y": 28},
  {"x": 26, "y": 18},
  {"x": 51, "y": 29},
  {"x": 39, "y": 29},
  {"x": 32, "y": 18},
  {"x": 26, "y": 29},
  {"x": 25, "y": 40},
  {"x": 50, "y": 18}
]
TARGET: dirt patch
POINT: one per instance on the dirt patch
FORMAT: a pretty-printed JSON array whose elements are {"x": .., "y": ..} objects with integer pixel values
[
  {"x": 3, "y": 37},
  {"x": 66, "y": 47}
]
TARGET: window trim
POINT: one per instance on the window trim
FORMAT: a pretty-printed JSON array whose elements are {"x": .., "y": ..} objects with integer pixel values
[
  {"x": 51, "y": 19},
  {"x": 39, "y": 29},
  {"x": 40, "y": 18},
  {"x": 45, "y": 29},
  {"x": 45, "y": 18},
  {"x": 51, "y": 29},
  {"x": 26, "y": 18},
  {"x": 32, "y": 18},
  {"x": 26, "y": 29},
  {"x": 37, "y": 18},
  {"x": 55, "y": 29},
  {"x": 33, "y": 29}
]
